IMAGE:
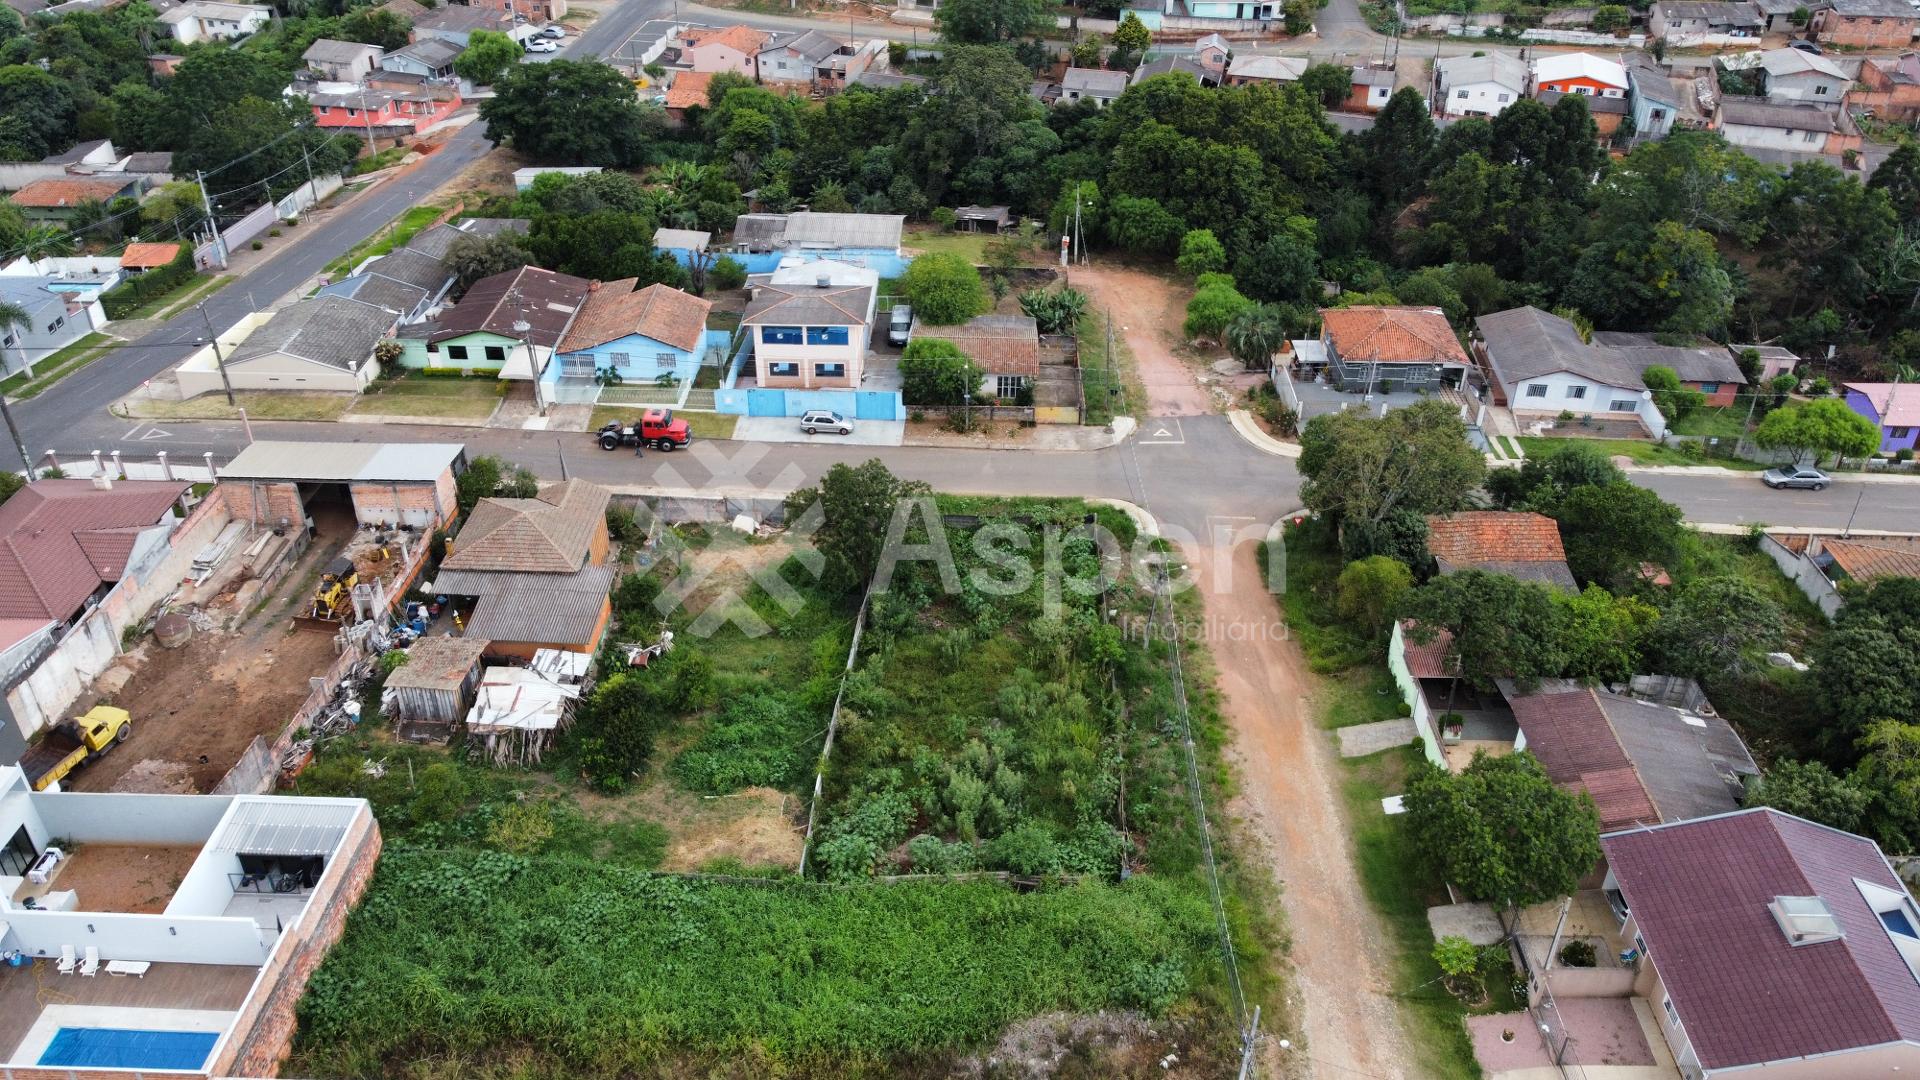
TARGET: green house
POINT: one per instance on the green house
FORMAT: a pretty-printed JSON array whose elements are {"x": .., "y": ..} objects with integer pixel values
[{"x": 492, "y": 328}]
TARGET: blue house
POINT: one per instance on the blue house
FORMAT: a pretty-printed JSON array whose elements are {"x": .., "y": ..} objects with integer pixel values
[{"x": 641, "y": 335}]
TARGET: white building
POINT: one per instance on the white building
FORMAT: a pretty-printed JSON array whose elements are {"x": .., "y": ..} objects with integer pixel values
[
  {"x": 60, "y": 311},
  {"x": 211, "y": 20},
  {"x": 1580, "y": 73},
  {"x": 250, "y": 888},
  {"x": 1479, "y": 85}
]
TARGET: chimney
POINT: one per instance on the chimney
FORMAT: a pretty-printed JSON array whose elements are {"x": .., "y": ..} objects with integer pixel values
[
  {"x": 103, "y": 482},
  {"x": 823, "y": 282},
  {"x": 593, "y": 286}
]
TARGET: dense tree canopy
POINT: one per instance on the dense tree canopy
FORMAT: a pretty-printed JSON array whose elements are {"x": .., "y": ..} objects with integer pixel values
[
  {"x": 1501, "y": 829},
  {"x": 1360, "y": 468},
  {"x": 570, "y": 113}
]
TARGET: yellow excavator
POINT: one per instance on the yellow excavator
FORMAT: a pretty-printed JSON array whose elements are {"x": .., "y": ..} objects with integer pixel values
[{"x": 333, "y": 597}]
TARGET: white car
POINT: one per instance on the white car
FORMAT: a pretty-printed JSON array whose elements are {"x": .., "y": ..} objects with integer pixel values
[
  {"x": 542, "y": 45},
  {"x": 815, "y": 421},
  {"x": 553, "y": 30}
]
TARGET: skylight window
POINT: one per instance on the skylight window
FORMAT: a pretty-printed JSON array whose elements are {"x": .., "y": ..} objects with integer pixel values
[
  {"x": 1806, "y": 920},
  {"x": 1898, "y": 917}
]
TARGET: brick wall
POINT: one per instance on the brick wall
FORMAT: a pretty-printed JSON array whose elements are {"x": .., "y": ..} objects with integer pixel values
[
  {"x": 262, "y": 1034},
  {"x": 262, "y": 502},
  {"x": 1865, "y": 33},
  {"x": 1720, "y": 398},
  {"x": 394, "y": 504}
]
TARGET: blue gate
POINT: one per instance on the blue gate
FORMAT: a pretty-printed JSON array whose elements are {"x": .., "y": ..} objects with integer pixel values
[
  {"x": 876, "y": 405},
  {"x": 766, "y": 403}
]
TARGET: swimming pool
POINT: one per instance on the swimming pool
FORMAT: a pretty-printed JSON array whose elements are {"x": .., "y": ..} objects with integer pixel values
[{"x": 122, "y": 1048}]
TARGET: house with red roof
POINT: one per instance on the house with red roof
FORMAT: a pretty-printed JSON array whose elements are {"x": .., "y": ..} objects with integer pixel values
[
  {"x": 1516, "y": 543},
  {"x": 1893, "y": 407},
  {"x": 1391, "y": 348},
  {"x": 734, "y": 48},
  {"x": 80, "y": 561},
  {"x": 1770, "y": 947}
]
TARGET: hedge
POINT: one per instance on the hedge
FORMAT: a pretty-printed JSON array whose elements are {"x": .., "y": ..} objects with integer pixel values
[{"x": 138, "y": 291}]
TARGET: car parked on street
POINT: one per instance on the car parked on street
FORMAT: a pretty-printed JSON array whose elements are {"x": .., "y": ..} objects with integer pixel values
[
  {"x": 542, "y": 45},
  {"x": 1796, "y": 476},
  {"x": 1805, "y": 47},
  {"x": 814, "y": 421},
  {"x": 553, "y": 30}
]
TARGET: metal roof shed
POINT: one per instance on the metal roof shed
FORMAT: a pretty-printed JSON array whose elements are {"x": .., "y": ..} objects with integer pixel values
[
  {"x": 344, "y": 462},
  {"x": 437, "y": 682}
]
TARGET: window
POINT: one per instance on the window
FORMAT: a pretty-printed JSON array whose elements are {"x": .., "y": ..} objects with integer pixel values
[
  {"x": 1673, "y": 1015},
  {"x": 618, "y": 359},
  {"x": 1462, "y": 95},
  {"x": 1538, "y": 389},
  {"x": 826, "y": 335},
  {"x": 1576, "y": 392},
  {"x": 456, "y": 352},
  {"x": 830, "y": 371},
  {"x": 1673, "y": 24},
  {"x": 1503, "y": 97},
  {"x": 1805, "y": 920},
  {"x": 1811, "y": 136},
  {"x": 1623, "y": 405},
  {"x": 56, "y": 324},
  {"x": 1892, "y": 433},
  {"x": 780, "y": 335},
  {"x": 1709, "y": 387},
  {"x": 1659, "y": 114},
  {"x": 787, "y": 368},
  {"x": 1583, "y": 91},
  {"x": 1820, "y": 91},
  {"x": 1009, "y": 386},
  {"x": 497, "y": 354}
]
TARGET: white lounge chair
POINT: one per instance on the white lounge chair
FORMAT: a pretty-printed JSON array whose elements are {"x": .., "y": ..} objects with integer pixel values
[
  {"x": 91, "y": 965},
  {"x": 67, "y": 960}
]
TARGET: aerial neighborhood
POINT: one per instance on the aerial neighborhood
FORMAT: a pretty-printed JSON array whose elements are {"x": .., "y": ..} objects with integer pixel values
[{"x": 613, "y": 538}]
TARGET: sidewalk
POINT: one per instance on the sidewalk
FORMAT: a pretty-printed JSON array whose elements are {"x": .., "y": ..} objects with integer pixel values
[
  {"x": 1715, "y": 470},
  {"x": 1048, "y": 437},
  {"x": 1248, "y": 429}
]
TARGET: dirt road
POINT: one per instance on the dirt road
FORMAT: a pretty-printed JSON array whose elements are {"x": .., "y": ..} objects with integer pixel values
[
  {"x": 1148, "y": 313},
  {"x": 1289, "y": 795}
]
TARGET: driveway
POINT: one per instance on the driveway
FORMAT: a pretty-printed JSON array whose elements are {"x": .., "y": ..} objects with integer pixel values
[{"x": 787, "y": 429}]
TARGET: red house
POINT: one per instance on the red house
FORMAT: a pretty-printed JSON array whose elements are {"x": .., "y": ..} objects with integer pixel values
[{"x": 416, "y": 109}]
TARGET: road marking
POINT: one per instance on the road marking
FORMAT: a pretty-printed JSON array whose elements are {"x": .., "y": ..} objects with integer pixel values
[
  {"x": 1167, "y": 432},
  {"x": 156, "y": 433},
  {"x": 128, "y": 437}
]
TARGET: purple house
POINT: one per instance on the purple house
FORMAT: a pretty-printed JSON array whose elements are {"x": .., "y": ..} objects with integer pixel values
[{"x": 1893, "y": 407}]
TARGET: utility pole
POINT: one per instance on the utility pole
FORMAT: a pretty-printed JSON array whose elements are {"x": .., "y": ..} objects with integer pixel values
[
  {"x": 219, "y": 358},
  {"x": 372, "y": 149},
  {"x": 213, "y": 223},
  {"x": 19, "y": 444},
  {"x": 313, "y": 193}
]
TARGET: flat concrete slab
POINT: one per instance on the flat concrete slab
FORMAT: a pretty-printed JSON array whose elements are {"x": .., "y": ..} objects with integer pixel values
[
  {"x": 1363, "y": 739},
  {"x": 787, "y": 429},
  {"x": 1474, "y": 921}
]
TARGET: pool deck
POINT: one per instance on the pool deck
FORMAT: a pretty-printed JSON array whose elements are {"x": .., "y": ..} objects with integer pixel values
[{"x": 194, "y": 991}]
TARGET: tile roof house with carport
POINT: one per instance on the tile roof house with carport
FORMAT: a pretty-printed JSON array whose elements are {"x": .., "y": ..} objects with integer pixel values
[
  {"x": 1390, "y": 348},
  {"x": 536, "y": 570},
  {"x": 479, "y": 333},
  {"x": 322, "y": 343},
  {"x": 641, "y": 335},
  {"x": 1479, "y": 85},
  {"x": 1893, "y": 407},
  {"x": 1864, "y": 24},
  {"x": 1005, "y": 347},
  {"x": 55, "y": 199},
  {"x": 1536, "y": 363},
  {"x": 687, "y": 91},
  {"x": 806, "y": 336},
  {"x": 1517, "y": 543},
  {"x": 141, "y": 257},
  {"x": 1769, "y": 946}
]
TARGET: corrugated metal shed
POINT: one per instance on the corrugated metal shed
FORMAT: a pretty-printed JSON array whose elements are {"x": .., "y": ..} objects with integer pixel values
[
  {"x": 341, "y": 462},
  {"x": 274, "y": 826},
  {"x": 550, "y": 609},
  {"x": 437, "y": 681}
]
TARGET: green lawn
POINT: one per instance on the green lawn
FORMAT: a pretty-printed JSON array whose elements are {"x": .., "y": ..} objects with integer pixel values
[
  {"x": 704, "y": 425},
  {"x": 473, "y": 399},
  {"x": 259, "y": 405},
  {"x": 1513, "y": 447},
  {"x": 56, "y": 367},
  {"x": 1361, "y": 696},
  {"x": 192, "y": 291},
  {"x": 1642, "y": 453},
  {"x": 723, "y": 320},
  {"x": 1400, "y": 888},
  {"x": 375, "y": 162},
  {"x": 1727, "y": 423},
  {"x": 972, "y": 246},
  {"x": 1100, "y": 373},
  {"x": 397, "y": 232}
]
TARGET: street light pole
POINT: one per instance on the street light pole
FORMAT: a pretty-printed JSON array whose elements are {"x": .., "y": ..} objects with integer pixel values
[
  {"x": 219, "y": 358},
  {"x": 213, "y": 223},
  {"x": 19, "y": 444}
]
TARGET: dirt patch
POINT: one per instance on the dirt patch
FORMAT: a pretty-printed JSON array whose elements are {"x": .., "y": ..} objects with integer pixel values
[
  {"x": 755, "y": 827},
  {"x": 1288, "y": 796},
  {"x": 1148, "y": 311},
  {"x": 1102, "y": 1044},
  {"x": 135, "y": 878},
  {"x": 156, "y": 777}
]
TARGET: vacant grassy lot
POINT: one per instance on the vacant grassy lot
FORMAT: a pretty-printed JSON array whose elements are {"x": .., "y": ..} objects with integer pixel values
[
  {"x": 970, "y": 246},
  {"x": 259, "y": 405},
  {"x": 1640, "y": 453},
  {"x": 470, "y": 399},
  {"x": 394, "y": 235}
]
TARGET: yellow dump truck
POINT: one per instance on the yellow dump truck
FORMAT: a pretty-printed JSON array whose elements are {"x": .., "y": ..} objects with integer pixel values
[{"x": 73, "y": 743}]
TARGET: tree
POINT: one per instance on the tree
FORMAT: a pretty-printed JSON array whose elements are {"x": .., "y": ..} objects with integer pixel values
[
  {"x": 1502, "y": 830},
  {"x": 727, "y": 273},
  {"x": 266, "y": 141},
  {"x": 1256, "y": 333},
  {"x": 474, "y": 257},
  {"x": 1329, "y": 84},
  {"x": 374, "y": 26},
  {"x": 1284, "y": 269},
  {"x": 1142, "y": 225},
  {"x": 1088, "y": 50},
  {"x": 45, "y": 107},
  {"x": 1863, "y": 668},
  {"x": 572, "y": 113},
  {"x": 1543, "y": 479},
  {"x": 1298, "y": 16},
  {"x": 1360, "y": 468},
  {"x": 1214, "y": 307},
  {"x": 1132, "y": 35},
  {"x": 1610, "y": 529},
  {"x": 1500, "y": 627},
  {"x": 1674, "y": 400},
  {"x": 1610, "y": 17},
  {"x": 1810, "y": 790},
  {"x": 1371, "y": 591},
  {"x": 488, "y": 476},
  {"x": 489, "y": 54},
  {"x": 1714, "y": 625},
  {"x": 856, "y": 504},
  {"x": 986, "y": 22},
  {"x": 1889, "y": 771},
  {"x": 1817, "y": 428},
  {"x": 936, "y": 372},
  {"x": 1396, "y": 151},
  {"x": 1899, "y": 178},
  {"x": 944, "y": 289},
  {"x": 1201, "y": 253},
  {"x": 1603, "y": 635}
]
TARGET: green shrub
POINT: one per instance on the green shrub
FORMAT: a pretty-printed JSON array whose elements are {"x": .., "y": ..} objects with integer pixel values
[
  {"x": 758, "y": 740},
  {"x": 441, "y": 794},
  {"x": 727, "y": 273},
  {"x": 124, "y": 299}
]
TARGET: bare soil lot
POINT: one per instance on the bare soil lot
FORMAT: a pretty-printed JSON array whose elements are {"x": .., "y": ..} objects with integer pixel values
[{"x": 137, "y": 879}]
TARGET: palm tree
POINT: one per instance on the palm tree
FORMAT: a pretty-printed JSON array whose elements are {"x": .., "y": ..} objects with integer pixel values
[
  {"x": 1256, "y": 334},
  {"x": 12, "y": 315},
  {"x": 44, "y": 240}
]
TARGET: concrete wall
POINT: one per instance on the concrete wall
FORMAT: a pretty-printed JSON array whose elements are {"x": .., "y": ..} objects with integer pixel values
[
  {"x": 278, "y": 371},
  {"x": 1861, "y": 31},
  {"x": 206, "y": 889},
  {"x": 1410, "y": 693},
  {"x": 1805, "y": 576},
  {"x": 262, "y": 502},
  {"x": 125, "y": 818},
  {"x": 308, "y": 194},
  {"x": 1593, "y": 982},
  {"x": 422, "y": 505},
  {"x": 161, "y": 939},
  {"x": 1774, "y": 138}
]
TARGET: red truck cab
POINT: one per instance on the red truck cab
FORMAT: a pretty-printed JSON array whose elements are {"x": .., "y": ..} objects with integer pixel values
[{"x": 657, "y": 429}]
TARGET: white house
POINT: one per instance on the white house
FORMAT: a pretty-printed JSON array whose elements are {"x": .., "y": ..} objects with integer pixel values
[
  {"x": 57, "y": 316},
  {"x": 212, "y": 20},
  {"x": 1479, "y": 85},
  {"x": 1797, "y": 78},
  {"x": 1092, "y": 84},
  {"x": 324, "y": 343},
  {"x": 1538, "y": 363},
  {"x": 812, "y": 333},
  {"x": 1580, "y": 73}
]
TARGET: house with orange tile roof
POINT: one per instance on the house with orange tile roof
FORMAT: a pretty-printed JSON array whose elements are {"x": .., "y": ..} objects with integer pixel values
[
  {"x": 55, "y": 199},
  {"x": 139, "y": 258},
  {"x": 1519, "y": 544},
  {"x": 735, "y": 48},
  {"x": 1391, "y": 348},
  {"x": 640, "y": 335},
  {"x": 689, "y": 91}
]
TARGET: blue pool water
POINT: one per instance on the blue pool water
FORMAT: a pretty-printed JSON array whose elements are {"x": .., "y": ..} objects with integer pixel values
[{"x": 119, "y": 1048}]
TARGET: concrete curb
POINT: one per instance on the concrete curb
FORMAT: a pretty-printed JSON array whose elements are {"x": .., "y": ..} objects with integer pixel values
[
  {"x": 1142, "y": 520},
  {"x": 1715, "y": 470},
  {"x": 1242, "y": 421},
  {"x": 1096, "y": 439}
]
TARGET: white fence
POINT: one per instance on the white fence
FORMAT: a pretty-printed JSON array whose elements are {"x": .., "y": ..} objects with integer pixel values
[
  {"x": 307, "y": 194},
  {"x": 200, "y": 470}
]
